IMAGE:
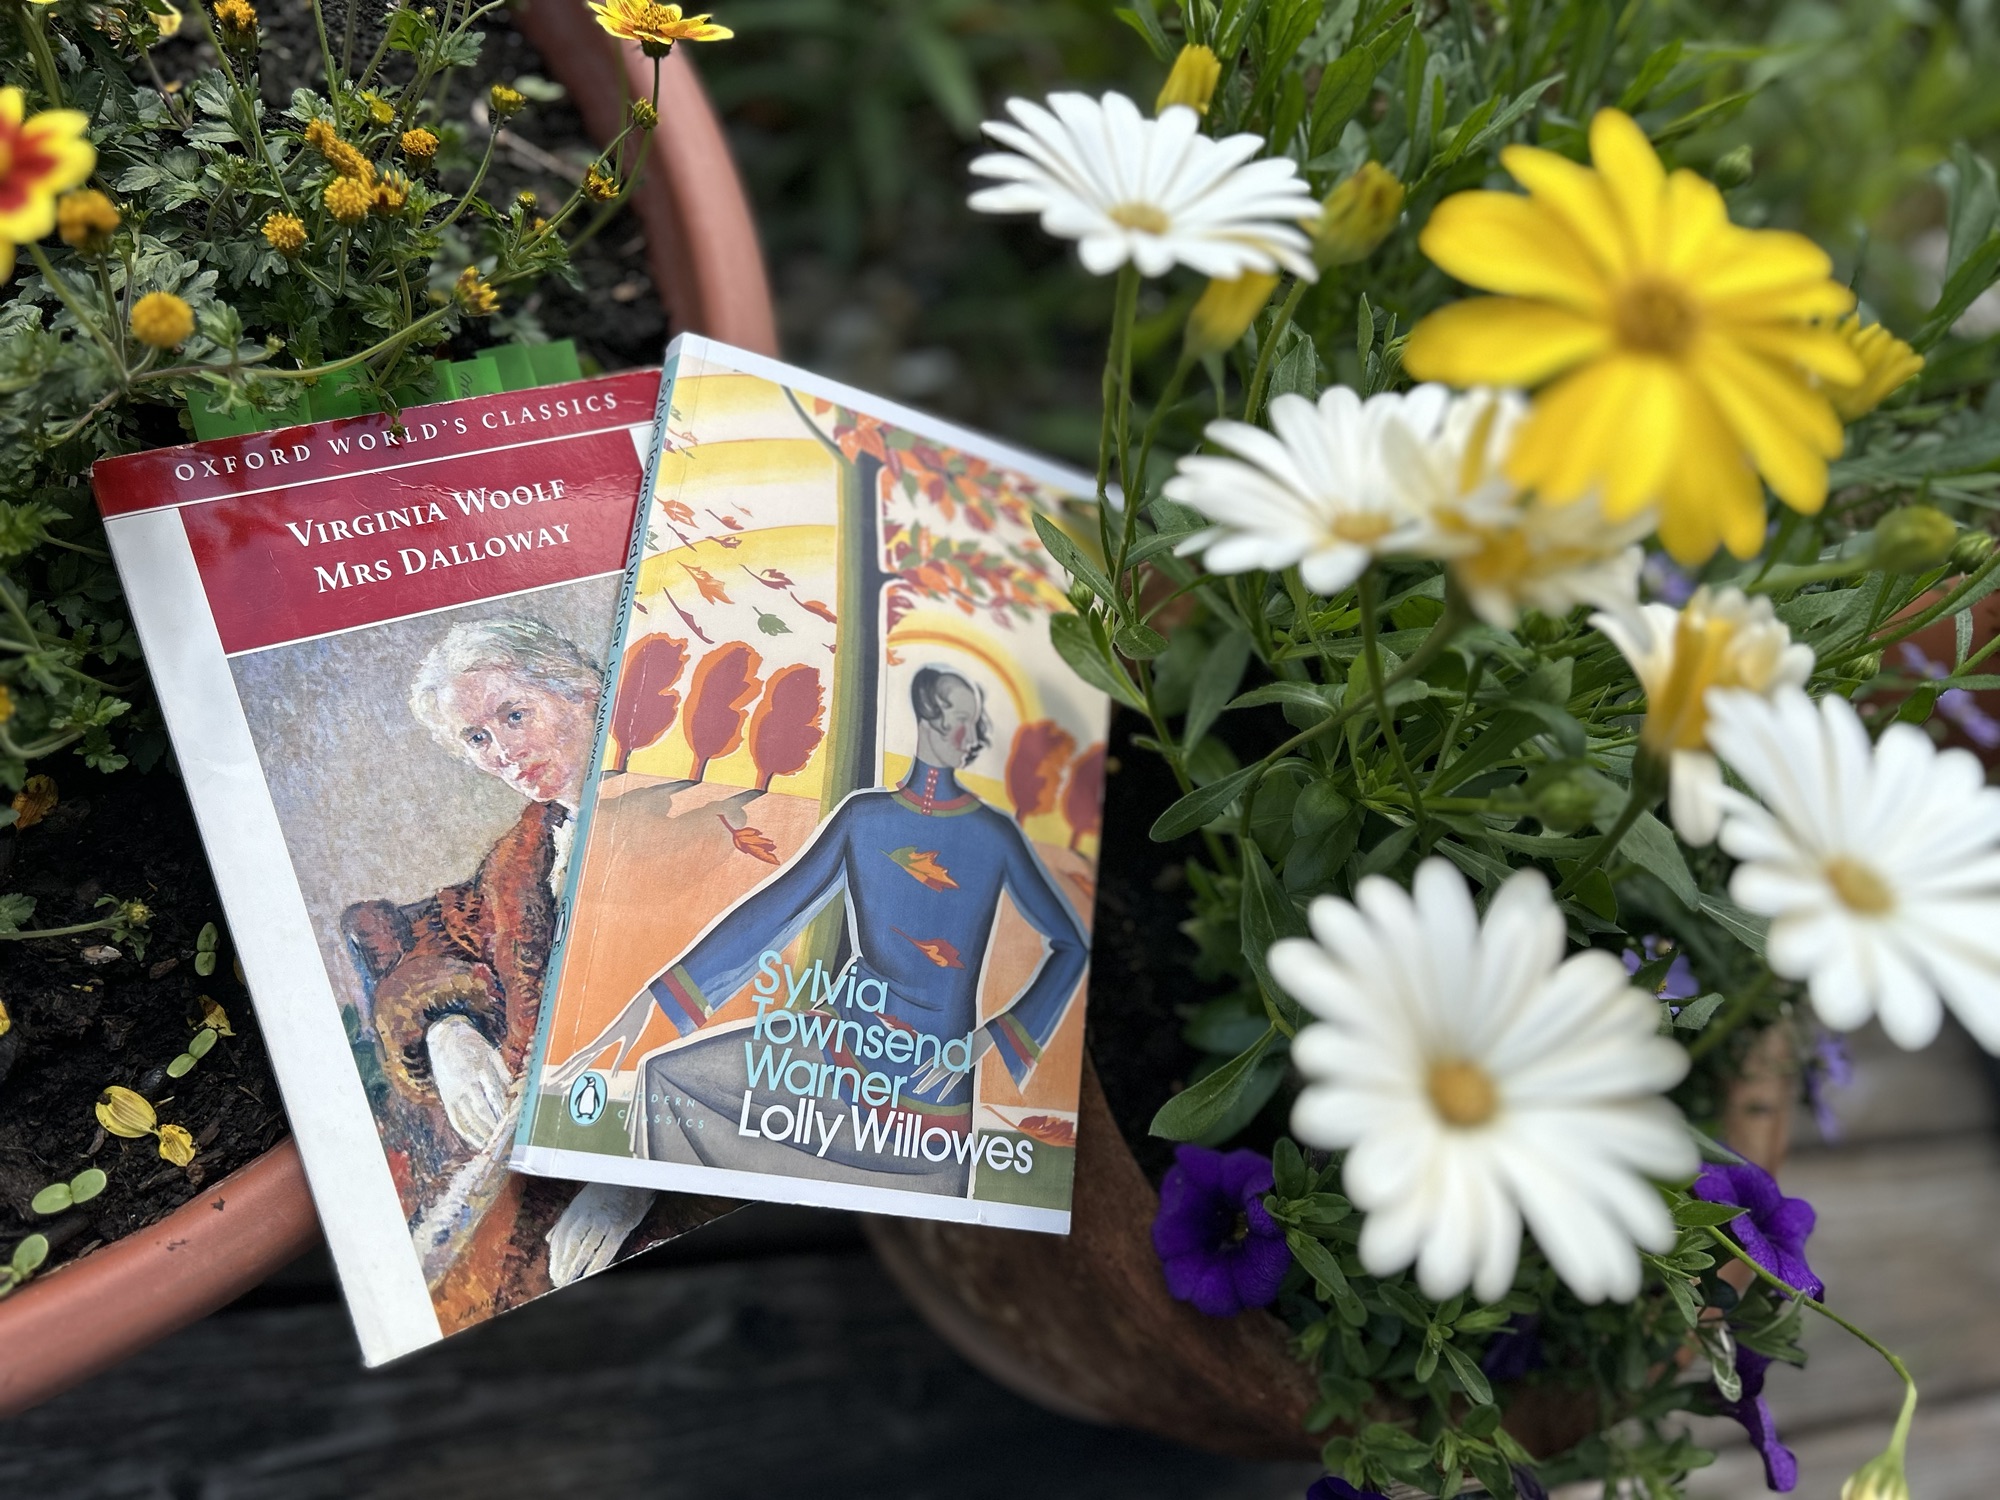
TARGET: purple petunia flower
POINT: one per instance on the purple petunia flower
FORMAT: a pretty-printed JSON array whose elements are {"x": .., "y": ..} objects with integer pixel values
[
  {"x": 1773, "y": 1229},
  {"x": 1680, "y": 983},
  {"x": 1333, "y": 1487},
  {"x": 1956, "y": 704},
  {"x": 1217, "y": 1246},
  {"x": 1515, "y": 1351},
  {"x": 1829, "y": 1067},
  {"x": 1781, "y": 1469},
  {"x": 1660, "y": 579},
  {"x": 1528, "y": 1485}
]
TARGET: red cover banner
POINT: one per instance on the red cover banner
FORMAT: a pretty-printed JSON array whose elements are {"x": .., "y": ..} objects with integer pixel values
[{"x": 474, "y": 500}]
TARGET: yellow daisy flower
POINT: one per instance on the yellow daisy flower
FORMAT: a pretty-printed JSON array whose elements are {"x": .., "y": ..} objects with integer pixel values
[
  {"x": 1887, "y": 364},
  {"x": 162, "y": 320},
  {"x": 656, "y": 27},
  {"x": 41, "y": 156},
  {"x": 349, "y": 200},
  {"x": 1680, "y": 351}
]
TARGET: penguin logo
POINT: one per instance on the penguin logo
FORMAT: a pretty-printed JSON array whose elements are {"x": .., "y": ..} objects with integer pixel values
[{"x": 587, "y": 1098}]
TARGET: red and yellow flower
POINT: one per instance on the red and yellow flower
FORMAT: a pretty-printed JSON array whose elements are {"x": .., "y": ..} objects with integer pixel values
[{"x": 41, "y": 157}]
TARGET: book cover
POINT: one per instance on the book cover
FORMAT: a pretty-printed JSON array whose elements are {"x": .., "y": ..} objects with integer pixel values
[
  {"x": 379, "y": 649},
  {"x": 827, "y": 933}
]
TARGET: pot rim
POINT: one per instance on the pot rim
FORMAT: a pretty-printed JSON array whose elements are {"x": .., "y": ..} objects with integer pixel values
[{"x": 704, "y": 255}]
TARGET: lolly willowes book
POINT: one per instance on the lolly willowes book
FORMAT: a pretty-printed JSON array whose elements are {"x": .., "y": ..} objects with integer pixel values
[
  {"x": 828, "y": 924},
  {"x": 379, "y": 649}
]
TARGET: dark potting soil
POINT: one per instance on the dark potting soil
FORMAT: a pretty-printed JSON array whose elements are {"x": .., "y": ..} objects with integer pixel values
[{"x": 89, "y": 1011}]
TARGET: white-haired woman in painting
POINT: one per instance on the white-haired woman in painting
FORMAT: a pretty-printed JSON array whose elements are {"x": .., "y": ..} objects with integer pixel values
[{"x": 454, "y": 981}]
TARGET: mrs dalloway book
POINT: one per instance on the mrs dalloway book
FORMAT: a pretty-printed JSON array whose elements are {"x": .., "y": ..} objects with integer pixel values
[
  {"x": 828, "y": 903},
  {"x": 379, "y": 646}
]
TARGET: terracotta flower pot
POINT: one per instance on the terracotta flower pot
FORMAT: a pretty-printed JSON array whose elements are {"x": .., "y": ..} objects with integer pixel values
[
  {"x": 702, "y": 249},
  {"x": 1084, "y": 1325}
]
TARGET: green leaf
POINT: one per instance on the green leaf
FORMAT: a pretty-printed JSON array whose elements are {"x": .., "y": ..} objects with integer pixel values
[
  {"x": 87, "y": 1184},
  {"x": 947, "y": 75},
  {"x": 1139, "y": 642},
  {"x": 1190, "y": 1113},
  {"x": 1200, "y": 805},
  {"x": 1267, "y": 916},
  {"x": 1693, "y": 1213},
  {"x": 29, "y": 1255},
  {"x": 1471, "y": 1379},
  {"x": 1142, "y": 18},
  {"x": 1346, "y": 82},
  {"x": 1696, "y": 1014},
  {"x": 1288, "y": 1169},
  {"x": 1214, "y": 684},
  {"x": 181, "y": 1066},
  {"x": 1648, "y": 845},
  {"x": 1318, "y": 1261},
  {"x": 1961, "y": 290},
  {"x": 1090, "y": 658},
  {"x": 1063, "y": 548},
  {"x": 52, "y": 1199},
  {"x": 1745, "y": 927},
  {"x": 15, "y": 909}
]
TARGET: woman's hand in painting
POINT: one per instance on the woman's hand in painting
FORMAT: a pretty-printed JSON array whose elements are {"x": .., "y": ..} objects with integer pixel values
[
  {"x": 982, "y": 1043},
  {"x": 622, "y": 1033},
  {"x": 586, "y": 1238},
  {"x": 471, "y": 1079}
]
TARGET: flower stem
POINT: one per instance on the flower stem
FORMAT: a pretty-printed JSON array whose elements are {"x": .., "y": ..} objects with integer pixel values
[
  {"x": 1135, "y": 494},
  {"x": 45, "y": 60},
  {"x": 1124, "y": 305},
  {"x": 1648, "y": 778},
  {"x": 1371, "y": 654},
  {"x": 23, "y": 934},
  {"x": 1289, "y": 306},
  {"x": 1902, "y": 1432}
]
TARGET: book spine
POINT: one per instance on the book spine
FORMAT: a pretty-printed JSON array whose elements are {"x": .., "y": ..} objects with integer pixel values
[{"x": 607, "y": 700}]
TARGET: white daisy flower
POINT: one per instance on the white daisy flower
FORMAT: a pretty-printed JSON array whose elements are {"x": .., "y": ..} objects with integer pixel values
[
  {"x": 1719, "y": 639},
  {"x": 1476, "y": 1078},
  {"x": 1155, "y": 192},
  {"x": 1879, "y": 866},
  {"x": 1317, "y": 490},
  {"x": 1508, "y": 553}
]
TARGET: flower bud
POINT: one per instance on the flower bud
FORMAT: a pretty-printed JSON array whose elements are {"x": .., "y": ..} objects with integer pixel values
[
  {"x": 599, "y": 186},
  {"x": 1913, "y": 539},
  {"x": 1732, "y": 169},
  {"x": 85, "y": 220},
  {"x": 236, "y": 24},
  {"x": 161, "y": 320},
  {"x": 420, "y": 147},
  {"x": 474, "y": 294},
  {"x": 1864, "y": 668},
  {"x": 1881, "y": 1478},
  {"x": 1081, "y": 598},
  {"x": 1356, "y": 217},
  {"x": 1225, "y": 310},
  {"x": 1565, "y": 806},
  {"x": 1887, "y": 365},
  {"x": 285, "y": 233},
  {"x": 1538, "y": 629},
  {"x": 125, "y": 1113},
  {"x": 1192, "y": 82},
  {"x": 504, "y": 101},
  {"x": 1970, "y": 551},
  {"x": 644, "y": 114}
]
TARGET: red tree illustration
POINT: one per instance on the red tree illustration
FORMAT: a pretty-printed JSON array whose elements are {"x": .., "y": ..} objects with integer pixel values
[
  {"x": 724, "y": 684},
  {"x": 788, "y": 724},
  {"x": 647, "y": 703},
  {"x": 1034, "y": 767},
  {"x": 1083, "y": 798}
]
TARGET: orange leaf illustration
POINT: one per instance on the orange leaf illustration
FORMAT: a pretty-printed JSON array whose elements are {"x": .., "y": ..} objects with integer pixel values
[
  {"x": 923, "y": 866},
  {"x": 1049, "y": 1128},
  {"x": 711, "y": 589},
  {"x": 814, "y": 607},
  {"x": 937, "y": 950},
  {"x": 750, "y": 841}
]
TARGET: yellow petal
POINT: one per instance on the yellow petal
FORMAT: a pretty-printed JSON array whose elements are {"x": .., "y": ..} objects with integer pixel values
[
  {"x": 1821, "y": 350},
  {"x": 1695, "y": 221},
  {"x": 1577, "y": 195},
  {"x": 1758, "y": 261},
  {"x": 1501, "y": 341},
  {"x": 1712, "y": 494},
  {"x": 1502, "y": 242},
  {"x": 1577, "y": 434},
  {"x": 1789, "y": 428},
  {"x": 1632, "y": 175}
]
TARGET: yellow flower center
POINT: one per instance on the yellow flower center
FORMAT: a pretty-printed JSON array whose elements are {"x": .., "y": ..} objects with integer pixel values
[
  {"x": 1145, "y": 217},
  {"x": 1859, "y": 888},
  {"x": 1654, "y": 317},
  {"x": 1363, "y": 528},
  {"x": 1463, "y": 1093}
]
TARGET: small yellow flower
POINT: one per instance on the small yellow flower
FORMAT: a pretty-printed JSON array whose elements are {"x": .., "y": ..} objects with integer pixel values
[
  {"x": 474, "y": 294},
  {"x": 420, "y": 147},
  {"x": 645, "y": 114},
  {"x": 1191, "y": 82},
  {"x": 235, "y": 23},
  {"x": 137, "y": 913},
  {"x": 1678, "y": 351},
  {"x": 6, "y": 1021},
  {"x": 1357, "y": 216},
  {"x": 41, "y": 156},
  {"x": 380, "y": 110},
  {"x": 166, "y": 18},
  {"x": 285, "y": 233},
  {"x": 392, "y": 191},
  {"x": 162, "y": 320},
  {"x": 504, "y": 101},
  {"x": 349, "y": 200},
  {"x": 342, "y": 157},
  {"x": 655, "y": 27},
  {"x": 125, "y": 1113},
  {"x": 1224, "y": 310},
  {"x": 526, "y": 201},
  {"x": 599, "y": 186},
  {"x": 35, "y": 801},
  {"x": 1887, "y": 364},
  {"x": 319, "y": 135},
  {"x": 176, "y": 1145},
  {"x": 85, "y": 220},
  {"x": 6, "y": 704}
]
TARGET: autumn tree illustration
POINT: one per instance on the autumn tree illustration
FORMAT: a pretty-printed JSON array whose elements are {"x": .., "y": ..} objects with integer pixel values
[
  {"x": 788, "y": 725},
  {"x": 647, "y": 701},
  {"x": 1083, "y": 797},
  {"x": 725, "y": 683},
  {"x": 1035, "y": 763}
]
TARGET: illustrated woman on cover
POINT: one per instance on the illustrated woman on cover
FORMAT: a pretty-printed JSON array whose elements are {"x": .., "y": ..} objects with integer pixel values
[
  {"x": 918, "y": 870},
  {"x": 453, "y": 982}
]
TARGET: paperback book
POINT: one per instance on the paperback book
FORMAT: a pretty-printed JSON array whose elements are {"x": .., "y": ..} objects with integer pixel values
[
  {"x": 379, "y": 649},
  {"x": 827, "y": 925}
]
